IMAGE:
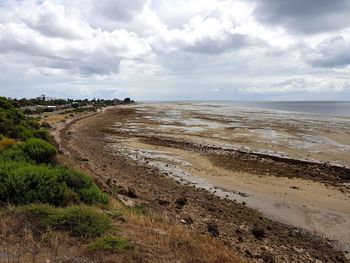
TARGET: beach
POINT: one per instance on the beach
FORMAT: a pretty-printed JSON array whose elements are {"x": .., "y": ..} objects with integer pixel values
[{"x": 236, "y": 167}]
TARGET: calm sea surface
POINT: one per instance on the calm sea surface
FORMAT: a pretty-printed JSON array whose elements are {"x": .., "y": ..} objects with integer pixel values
[{"x": 334, "y": 108}]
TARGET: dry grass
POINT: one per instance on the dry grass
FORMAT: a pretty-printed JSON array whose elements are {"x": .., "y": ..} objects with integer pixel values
[
  {"x": 159, "y": 239},
  {"x": 154, "y": 237}
]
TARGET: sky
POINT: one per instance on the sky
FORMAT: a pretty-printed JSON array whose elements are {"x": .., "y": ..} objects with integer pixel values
[{"x": 176, "y": 49}]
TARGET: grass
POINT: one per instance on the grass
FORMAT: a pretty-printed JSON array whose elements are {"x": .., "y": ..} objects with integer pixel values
[
  {"x": 111, "y": 244},
  {"x": 82, "y": 221},
  {"x": 177, "y": 242}
]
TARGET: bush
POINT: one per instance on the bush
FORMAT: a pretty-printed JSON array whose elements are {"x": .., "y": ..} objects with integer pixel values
[
  {"x": 14, "y": 124},
  {"x": 13, "y": 155},
  {"x": 111, "y": 244},
  {"x": 23, "y": 183},
  {"x": 81, "y": 221},
  {"x": 46, "y": 125},
  {"x": 38, "y": 150},
  {"x": 84, "y": 186},
  {"x": 38, "y": 215},
  {"x": 77, "y": 220}
]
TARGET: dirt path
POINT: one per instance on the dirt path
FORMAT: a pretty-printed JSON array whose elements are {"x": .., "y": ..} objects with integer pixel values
[{"x": 88, "y": 142}]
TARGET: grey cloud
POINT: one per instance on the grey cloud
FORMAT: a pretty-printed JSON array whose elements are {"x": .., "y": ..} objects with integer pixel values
[
  {"x": 118, "y": 10},
  {"x": 10, "y": 42},
  {"x": 304, "y": 16},
  {"x": 74, "y": 61},
  {"x": 224, "y": 43},
  {"x": 333, "y": 52},
  {"x": 48, "y": 25}
]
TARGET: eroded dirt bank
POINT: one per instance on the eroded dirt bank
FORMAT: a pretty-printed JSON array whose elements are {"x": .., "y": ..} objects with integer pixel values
[{"x": 94, "y": 145}]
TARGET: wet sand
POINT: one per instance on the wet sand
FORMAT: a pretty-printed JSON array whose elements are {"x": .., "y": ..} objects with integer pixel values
[
  {"x": 167, "y": 151},
  {"x": 317, "y": 207},
  {"x": 321, "y": 209}
]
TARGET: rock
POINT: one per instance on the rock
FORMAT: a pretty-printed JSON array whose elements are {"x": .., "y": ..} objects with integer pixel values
[
  {"x": 112, "y": 182},
  {"x": 248, "y": 253},
  {"x": 181, "y": 201},
  {"x": 259, "y": 231},
  {"x": 243, "y": 194},
  {"x": 340, "y": 258},
  {"x": 163, "y": 202},
  {"x": 131, "y": 193},
  {"x": 213, "y": 229},
  {"x": 240, "y": 239},
  {"x": 211, "y": 208},
  {"x": 187, "y": 220},
  {"x": 122, "y": 191},
  {"x": 267, "y": 257}
]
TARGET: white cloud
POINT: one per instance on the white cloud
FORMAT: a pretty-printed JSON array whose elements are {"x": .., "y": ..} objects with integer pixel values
[
  {"x": 299, "y": 85},
  {"x": 180, "y": 48}
]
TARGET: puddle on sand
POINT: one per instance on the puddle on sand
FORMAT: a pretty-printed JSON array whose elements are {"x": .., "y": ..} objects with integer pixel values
[
  {"x": 298, "y": 135},
  {"x": 334, "y": 225}
]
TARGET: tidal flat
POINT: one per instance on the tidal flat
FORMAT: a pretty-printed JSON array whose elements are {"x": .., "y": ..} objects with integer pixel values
[
  {"x": 293, "y": 167},
  {"x": 232, "y": 170}
]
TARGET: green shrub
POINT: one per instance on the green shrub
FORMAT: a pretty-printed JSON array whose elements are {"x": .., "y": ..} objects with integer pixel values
[
  {"x": 14, "y": 124},
  {"x": 111, "y": 244},
  {"x": 77, "y": 220},
  {"x": 38, "y": 150},
  {"x": 82, "y": 221},
  {"x": 38, "y": 215},
  {"x": 84, "y": 186},
  {"x": 13, "y": 154},
  {"x": 93, "y": 195},
  {"x": 22, "y": 182}
]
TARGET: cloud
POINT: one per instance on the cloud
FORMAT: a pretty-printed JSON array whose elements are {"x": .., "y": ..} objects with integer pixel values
[
  {"x": 206, "y": 35},
  {"x": 181, "y": 49},
  {"x": 54, "y": 42},
  {"x": 223, "y": 43},
  {"x": 297, "y": 85},
  {"x": 214, "y": 90},
  {"x": 118, "y": 10},
  {"x": 50, "y": 20},
  {"x": 304, "y": 17},
  {"x": 332, "y": 52}
]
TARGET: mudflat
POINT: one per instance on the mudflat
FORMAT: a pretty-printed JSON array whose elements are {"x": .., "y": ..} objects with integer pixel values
[{"x": 237, "y": 169}]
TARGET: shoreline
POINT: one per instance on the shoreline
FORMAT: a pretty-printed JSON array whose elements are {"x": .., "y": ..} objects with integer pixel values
[{"x": 85, "y": 139}]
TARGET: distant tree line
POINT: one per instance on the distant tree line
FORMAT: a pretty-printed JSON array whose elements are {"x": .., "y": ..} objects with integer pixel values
[{"x": 75, "y": 103}]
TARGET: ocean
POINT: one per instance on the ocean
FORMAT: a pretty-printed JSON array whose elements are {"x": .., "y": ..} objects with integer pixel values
[{"x": 330, "y": 108}]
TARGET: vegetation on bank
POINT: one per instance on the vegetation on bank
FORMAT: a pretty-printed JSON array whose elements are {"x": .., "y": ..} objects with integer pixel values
[
  {"x": 49, "y": 211},
  {"x": 28, "y": 172},
  {"x": 80, "y": 220},
  {"x": 111, "y": 244},
  {"x": 55, "y": 196},
  {"x": 14, "y": 124}
]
